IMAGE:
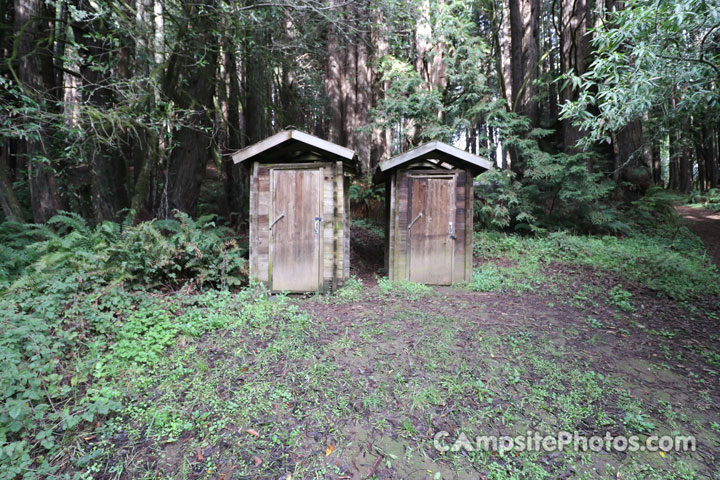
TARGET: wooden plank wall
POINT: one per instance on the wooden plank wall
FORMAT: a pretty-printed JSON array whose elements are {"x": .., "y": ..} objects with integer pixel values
[
  {"x": 469, "y": 227},
  {"x": 334, "y": 230},
  {"x": 402, "y": 205},
  {"x": 460, "y": 230},
  {"x": 389, "y": 245},
  {"x": 328, "y": 237},
  {"x": 346, "y": 229},
  {"x": 396, "y": 249},
  {"x": 253, "y": 221},
  {"x": 262, "y": 209}
]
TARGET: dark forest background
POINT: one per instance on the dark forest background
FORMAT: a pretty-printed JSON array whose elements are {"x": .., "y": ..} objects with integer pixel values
[{"x": 134, "y": 106}]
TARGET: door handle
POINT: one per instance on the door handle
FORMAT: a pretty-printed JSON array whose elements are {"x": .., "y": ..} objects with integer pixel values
[
  {"x": 317, "y": 224},
  {"x": 451, "y": 232},
  {"x": 276, "y": 220},
  {"x": 419, "y": 216}
]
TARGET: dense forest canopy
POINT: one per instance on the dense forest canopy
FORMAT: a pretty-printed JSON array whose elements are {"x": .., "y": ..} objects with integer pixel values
[{"x": 110, "y": 107}]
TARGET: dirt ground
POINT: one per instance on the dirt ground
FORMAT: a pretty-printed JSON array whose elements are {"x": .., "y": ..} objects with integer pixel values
[
  {"x": 706, "y": 225},
  {"x": 358, "y": 386}
]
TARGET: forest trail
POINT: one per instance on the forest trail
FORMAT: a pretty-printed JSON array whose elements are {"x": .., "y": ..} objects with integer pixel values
[{"x": 705, "y": 224}]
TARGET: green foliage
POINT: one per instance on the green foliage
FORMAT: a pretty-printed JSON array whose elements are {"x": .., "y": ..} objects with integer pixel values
[
  {"x": 638, "y": 423},
  {"x": 486, "y": 278},
  {"x": 61, "y": 354},
  {"x": 621, "y": 298},
  {"x": 710, "y": 199},
  {"x": 153, "y": 253},
  {"x": 557, "y": 192},
  {"x": 403, "y": 289},
  {"x": 498, "y": 201},
  {"x": 419, "y": 109},
  {"x": 352, "y": 291},
  {"x": 681, "y": 274},
  {"x": 14, "y": 254},
  {"x": 649, "y": 57}
]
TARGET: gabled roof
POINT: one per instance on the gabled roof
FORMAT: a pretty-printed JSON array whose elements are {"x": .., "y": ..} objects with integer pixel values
[
  {"x": 445, "y": 156},
  {"x": 287, "y": 145}
]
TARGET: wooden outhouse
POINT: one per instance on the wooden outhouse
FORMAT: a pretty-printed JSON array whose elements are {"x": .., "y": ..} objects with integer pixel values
[
  {"x": 429, "y": 212},
  {"x": 299, "y": 205}
]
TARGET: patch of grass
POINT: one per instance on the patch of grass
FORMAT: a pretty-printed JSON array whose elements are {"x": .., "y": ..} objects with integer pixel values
[
  {"x": 678, "y": 269},
  {"x": 403, "y": 289},
  {"x": 352, "y": 291}
]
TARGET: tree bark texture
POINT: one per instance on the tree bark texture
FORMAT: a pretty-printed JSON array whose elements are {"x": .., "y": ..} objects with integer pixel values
[
  {"x": 196, "y": 67},
  {"x": 34, "y": 21},
  {"x": 575, "y": 50},
  {"x": 108, "y": 172}
]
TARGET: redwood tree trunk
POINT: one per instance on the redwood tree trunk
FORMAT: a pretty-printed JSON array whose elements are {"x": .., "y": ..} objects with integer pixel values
[
  {"x": 34, "y": 23},
  {"x": 632, "y": 164},
  {"x": 108, "y": 170},
  {"x": 525, "y": 49},
  {"x": 196, "y": 68},
  {"x": 235, "y": 177},
  {"x": 710, "y": 154},
  {"x": 575, "y": 50}
]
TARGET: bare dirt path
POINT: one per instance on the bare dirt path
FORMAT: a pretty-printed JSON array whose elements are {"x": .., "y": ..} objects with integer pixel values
[{"x": 706, "y": 225}]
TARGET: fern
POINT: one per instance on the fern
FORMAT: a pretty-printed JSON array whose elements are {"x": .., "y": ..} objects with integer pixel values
[{"x": 150, "y": 254}]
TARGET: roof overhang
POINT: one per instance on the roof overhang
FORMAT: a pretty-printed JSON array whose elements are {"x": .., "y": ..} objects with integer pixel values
[
  {"x": 441, "y": 154},
  {"x": 289, "y": 145}
]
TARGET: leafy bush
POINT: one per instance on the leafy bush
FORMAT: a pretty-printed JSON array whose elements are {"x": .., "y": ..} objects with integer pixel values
[
  {"x": 163, "y": 252},
  {"x": 710, "y": 199},
  {"x": 621, "y": 298}
]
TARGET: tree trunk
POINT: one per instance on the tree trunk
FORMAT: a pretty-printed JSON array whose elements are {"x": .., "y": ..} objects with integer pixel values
[
  {"x": 506, "y": 54},
  {"x": 575, "y": 50},
  {"x": 710, "y": 154},
  {"x": 632, "y": 164},
  {"x": 8, "y": 200},
  {"x": 675, "y": 154},
  {"x": 257, "y": 79},
  {"x": 657, "y": 164},
  {"x": 191, "y": 86},
  {"x": 235, "y": 177},
  {"x": 525, "y": 38},
  {"x": 108, "y": 171},
  {"x": 381, "y": 137},
  {"x": 334, "y": 86},
  {"x": 33, "y": 23}
]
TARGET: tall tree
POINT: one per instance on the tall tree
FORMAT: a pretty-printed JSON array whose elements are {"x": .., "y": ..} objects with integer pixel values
[
  {"x": 189, "y": 81},
  {"x": 34, "y": 22},
  {"x": 108, "y": 170}
]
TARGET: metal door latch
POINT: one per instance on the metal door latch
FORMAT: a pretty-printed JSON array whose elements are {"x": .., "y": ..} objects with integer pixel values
[
  {"x": 451, "y": 232},
  {"x": 317, "y": 224},
  {"x": 419, "y": 216},
  {"x": 276, "y": 220}
]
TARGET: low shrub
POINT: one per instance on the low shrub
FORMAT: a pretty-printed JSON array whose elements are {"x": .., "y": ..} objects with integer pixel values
[{"x": 151, "y": 254}]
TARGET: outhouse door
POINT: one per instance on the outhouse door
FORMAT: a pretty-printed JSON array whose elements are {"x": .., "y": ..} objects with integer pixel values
[
  {"x": 295, "y": 229},
  {"x": 431, "y": 229}
]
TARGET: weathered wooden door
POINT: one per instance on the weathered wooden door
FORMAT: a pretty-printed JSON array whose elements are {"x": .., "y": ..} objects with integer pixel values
[
  {"x": 431, "y": 229},
  {"x": 295, "y": 230}
]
